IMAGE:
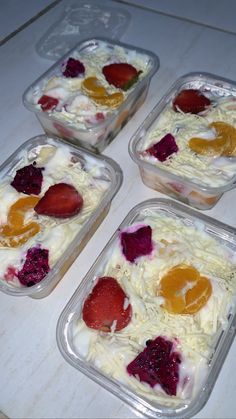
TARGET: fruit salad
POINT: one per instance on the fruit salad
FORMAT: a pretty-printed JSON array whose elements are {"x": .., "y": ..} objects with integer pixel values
[
  {"x": 47, "y": 197},
  {"x": 191, "y": 143},
  {"x": 159, "y": 298},
  {"x": 97, "y": 84}
]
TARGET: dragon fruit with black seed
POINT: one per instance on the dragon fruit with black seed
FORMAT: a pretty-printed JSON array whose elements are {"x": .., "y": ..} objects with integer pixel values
[
  {"x": 159, "y": 364},
  {"x": 35, "y": 267},
  {"x": 28, "y": 180}
]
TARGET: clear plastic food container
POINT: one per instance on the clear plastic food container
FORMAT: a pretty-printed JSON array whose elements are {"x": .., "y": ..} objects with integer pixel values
[
  {"x": 198, "y": 178},
  {"x": 83, "y": 107},
  {"x": 160, "y": 350},
  {"x": 80, "y": 21},
  {"x": 53, "y": 197}
]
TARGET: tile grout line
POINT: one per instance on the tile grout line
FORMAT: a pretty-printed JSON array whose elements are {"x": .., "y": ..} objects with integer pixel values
[
  {"x": 185, "y": 19},
  {"x": 125, "y": 2},
  {"x": 28, "y": 22}
]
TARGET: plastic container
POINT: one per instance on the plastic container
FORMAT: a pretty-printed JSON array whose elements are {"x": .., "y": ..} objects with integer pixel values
[
  {"x": 80, "y": 21},
  {"x": 110, "y": 353},
  {"x": 201, "y": 190},
  {"x": 96, "y": 178},
  {"x": 91, "y": 125}
]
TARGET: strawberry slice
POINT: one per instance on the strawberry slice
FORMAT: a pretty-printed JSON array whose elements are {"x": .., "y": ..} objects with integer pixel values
[
  {"x": 191, "y": 101},
  {"x": 121, "y": 75},
  {"x": 60, "y": 200},
  {"x": 48, "y": 103},
  {"x": 106, "y": 307}
]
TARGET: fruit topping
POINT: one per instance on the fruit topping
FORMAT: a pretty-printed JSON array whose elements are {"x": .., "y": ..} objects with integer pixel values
[
  {"x": 73, "y": 68},
  {"x": 28, "y": 180},
  {"x": 159, "y": 364},
  {"x": 48, "y": 103},
  {"x": 35, "y": 267},
  {"x": 112, "y": 101},
  {"x": 15, "y": 232},
  {"x": 184, "y": 290},
  {"x": 223, "y": 145},
  {"x": 92, "y": 87},
  {"x": 191, "y": 101},
  {"x": 137, "y": 243},
  {"x": 121, "y": 75},
  {"x": 107, "y": 307},
  {"x": 60, "y": 200},
  {"x": 164, "y": 148}
]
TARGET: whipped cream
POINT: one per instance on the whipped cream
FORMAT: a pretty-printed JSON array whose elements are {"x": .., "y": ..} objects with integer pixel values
[
  {"x": 61, "y": 164},
  {"x": 174, "y": 243}
]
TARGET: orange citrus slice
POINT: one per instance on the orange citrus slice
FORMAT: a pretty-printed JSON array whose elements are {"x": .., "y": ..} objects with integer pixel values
[
  {"x": 92, "y": 87},
  {"x": 184, "y": 290},
  {"x": 15, "y": 232},
  {"x": 112, "y": 101},
  {"x": 224, "y": 143}
]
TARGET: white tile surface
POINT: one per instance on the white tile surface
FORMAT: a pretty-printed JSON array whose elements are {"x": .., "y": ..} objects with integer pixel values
[
  {"x": 35, "y": 380},
  {"x": 216, "y": 13},
  {"x": 15, "y": 13}
]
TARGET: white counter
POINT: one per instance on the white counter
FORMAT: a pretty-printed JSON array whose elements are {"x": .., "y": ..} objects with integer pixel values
[{"x": 35, "y": 380}]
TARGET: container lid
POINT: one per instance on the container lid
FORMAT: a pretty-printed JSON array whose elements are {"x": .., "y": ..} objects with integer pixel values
[{"x": 80, "y": 21}]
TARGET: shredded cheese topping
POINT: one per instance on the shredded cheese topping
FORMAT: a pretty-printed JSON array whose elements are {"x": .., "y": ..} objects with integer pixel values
[{"x": 174, "y": 243}]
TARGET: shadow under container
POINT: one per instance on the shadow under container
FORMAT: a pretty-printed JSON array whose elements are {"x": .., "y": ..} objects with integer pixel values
[
  {"x": 97, "y": 135},
  {"x": 72, "y": 313},
  {"x": 193, "y": 193},
  {"x": 108, "y": 171}
]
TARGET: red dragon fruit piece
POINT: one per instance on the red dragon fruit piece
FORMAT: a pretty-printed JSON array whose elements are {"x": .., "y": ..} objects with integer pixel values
[
  {"x": 137, "y": 243},
  {"x": 73, "y": 68},
  {"x": 28, "y": 180},
  {"x": 35, "y": 267},
  {"x": 159, "y": 364},
  {"x": 164, "y": 148}
]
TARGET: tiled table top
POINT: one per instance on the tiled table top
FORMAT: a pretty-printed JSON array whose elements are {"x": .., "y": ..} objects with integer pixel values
[
  {"x": 35, "y": 380},
  {"x": 213, "y": 13},
  {"x": 14, "y": 15}
]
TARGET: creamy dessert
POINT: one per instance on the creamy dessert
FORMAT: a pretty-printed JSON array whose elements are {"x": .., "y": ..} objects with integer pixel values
[
  {"x": 200, "y": 139},
  {"x": 160, "y": 300},
  {"x": 46, "y": 198},
  {"x": 186, "y": 148},
  {"x": 86, "y": 91}
]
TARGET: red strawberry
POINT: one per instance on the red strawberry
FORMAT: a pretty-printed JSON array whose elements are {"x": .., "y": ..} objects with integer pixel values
[
  {"x": 105, "y": 306},
  {"x": 60, "y": 200},
  {"x": 191, "y": 101},
  {"x": 121, "y": 75},
  {"x": 48, "y": 103}
]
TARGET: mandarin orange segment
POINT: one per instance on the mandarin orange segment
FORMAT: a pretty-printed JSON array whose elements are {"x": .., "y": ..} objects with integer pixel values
[
  {"x": 197, "y": 296},
  {"x": 112, "y": 101},
  {"x": 15, "y": 232},
  {"x": 92, "y": 87},
  {"x": 17, "y": 211},
  {"x": 211, "y": 148},
  {"x": 198, "y": 197},
  {"x": 224, "y": 143},
  {"x": 15, "y": 238},
  {"x": 184, "y": 290},
  {"x": 228, "y": 132}
]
